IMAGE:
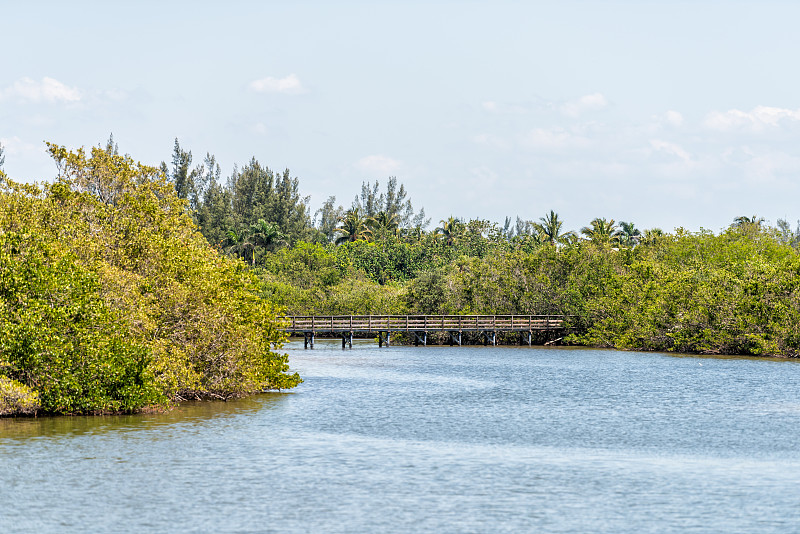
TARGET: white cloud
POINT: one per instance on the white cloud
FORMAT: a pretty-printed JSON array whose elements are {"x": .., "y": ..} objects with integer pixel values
[
  {"x": 378, "y": 164},
  {"x": 290, "y": 85},
  {"x": 756, "y": 120},
  {"x": 26, "y": 161},
  {"x": 671, "y": 149},
  {"x": 774, "y": 167},
  {"x": 673, "y": 118},
  {"x": 762, "y": 165},
  {"x": 47, "y": 90},
  {"x": 656, "y": 125},
  {"x": 553, "y": 139},
  {"x": 593, "y": 102},
  {"x": 14, "y": 146}
]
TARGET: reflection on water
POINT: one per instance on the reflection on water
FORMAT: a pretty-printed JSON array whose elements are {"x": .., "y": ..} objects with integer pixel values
[
  {"x": 433, "y": 439},
  {"x": 184, "y": 413}
]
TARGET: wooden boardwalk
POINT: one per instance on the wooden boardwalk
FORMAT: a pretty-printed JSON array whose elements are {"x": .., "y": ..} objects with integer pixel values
[{"x": 486, "y": 326}]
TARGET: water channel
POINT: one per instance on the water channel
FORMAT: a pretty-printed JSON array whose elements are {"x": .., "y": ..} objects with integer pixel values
[{"x": 433, "y": 439}]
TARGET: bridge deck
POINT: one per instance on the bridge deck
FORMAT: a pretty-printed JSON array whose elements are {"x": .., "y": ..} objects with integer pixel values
[{"x": 422, "y": 323}]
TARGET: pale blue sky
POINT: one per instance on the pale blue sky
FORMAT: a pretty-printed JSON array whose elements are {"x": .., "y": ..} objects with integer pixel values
[{"x": 664, "y": 113}]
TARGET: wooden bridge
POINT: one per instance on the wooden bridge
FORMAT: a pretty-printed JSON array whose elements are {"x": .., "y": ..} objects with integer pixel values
[{"x": 486, "y": 326}]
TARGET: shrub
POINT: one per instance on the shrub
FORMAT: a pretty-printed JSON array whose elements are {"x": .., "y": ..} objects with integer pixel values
[{"x": 17, "y": 398}]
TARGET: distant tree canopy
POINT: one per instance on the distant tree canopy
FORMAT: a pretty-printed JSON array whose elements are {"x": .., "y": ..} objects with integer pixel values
[
  {"x": 258, "y": 193},
  {"x": 392, "y": 204},
  {"x": 624, "y": 287},
  {"x": 254, "y": 196}
]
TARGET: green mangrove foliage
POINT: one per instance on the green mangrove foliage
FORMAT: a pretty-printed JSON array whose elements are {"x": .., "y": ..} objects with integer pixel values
[
  {"x": 733, "y": 293},
  {"x": 111, "y": 300}
]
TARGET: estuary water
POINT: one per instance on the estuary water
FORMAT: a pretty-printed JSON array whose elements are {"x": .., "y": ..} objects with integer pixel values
[{"x": 433, "y": 439}]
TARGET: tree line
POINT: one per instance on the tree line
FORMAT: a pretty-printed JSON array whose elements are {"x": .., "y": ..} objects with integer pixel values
[
  {"x": 124, "y": 286},
  {"x": 733, "y": 292},
  {"x": 257, "y": 210}
]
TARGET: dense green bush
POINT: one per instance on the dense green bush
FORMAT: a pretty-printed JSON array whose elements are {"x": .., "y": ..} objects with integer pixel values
[
  {"x": 58, "y": 336},
  {"x": 112, "y": 301},
  {"x": 17, "y": 398},
  {"x": 733, "y": 293}
]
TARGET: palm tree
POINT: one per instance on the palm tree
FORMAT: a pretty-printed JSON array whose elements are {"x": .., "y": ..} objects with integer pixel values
[
  {"x": 549, "y": 227},
  {"x": 628, "y": 234},
  {"x": 652, "y": 235},
  {"x": 384, "y": 223},
  {"x": 748, "y": 222},
  {"x": 353, "y": 227},
  {"x": 450, "y": 229},
  {"x": 602, "y": 231},
  {"x": 264, "y": 235},
  {"x": 530, "y": 240},
  {"x": 414, "y": 234},
  {"x": 236, "y": 243}
]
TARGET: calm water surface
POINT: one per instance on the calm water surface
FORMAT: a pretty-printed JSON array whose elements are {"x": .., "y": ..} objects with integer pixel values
[{"x": 435, "y": 439}]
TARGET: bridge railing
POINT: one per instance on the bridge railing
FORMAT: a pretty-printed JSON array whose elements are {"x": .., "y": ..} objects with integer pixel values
[{"x": 410, "y": 323}]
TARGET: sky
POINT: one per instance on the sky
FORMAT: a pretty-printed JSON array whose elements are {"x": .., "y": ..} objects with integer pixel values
[{"x": 667, "y": 114}]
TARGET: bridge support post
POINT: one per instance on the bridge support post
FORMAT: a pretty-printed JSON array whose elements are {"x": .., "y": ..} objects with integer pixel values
[
  {"x": 420, "y": 337},
  {"x": 455, "y": 337},
  {"x": 525, "y": 336},
  {"x": 308, "y": 340},
  {"x": 383, "y": 338},
  {"x": 347, "y": 340},
  {"x": 489, "y": 336}
]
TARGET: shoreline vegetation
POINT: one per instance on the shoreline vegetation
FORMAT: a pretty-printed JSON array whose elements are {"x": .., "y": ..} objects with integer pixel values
[
  {"x": 111, "y": 301},
  {"x": 126, "y": 287}
]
